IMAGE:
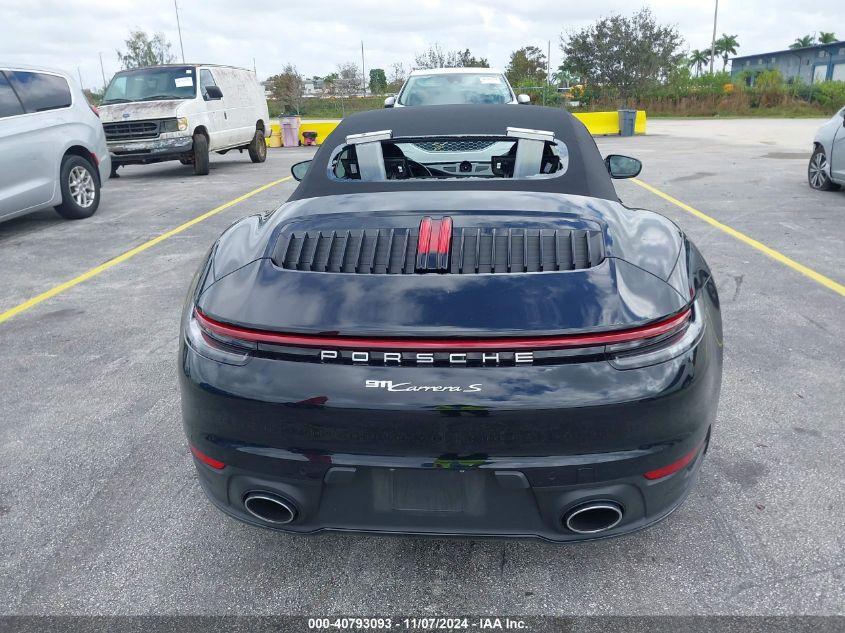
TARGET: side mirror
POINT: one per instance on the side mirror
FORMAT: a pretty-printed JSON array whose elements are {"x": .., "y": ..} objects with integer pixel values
[
  {"x": 213, "y": 93},
  {"x": 389, "y": 102},
  {"x": 619, "y": 166},
  {"x": 523, "y": 99},
  {"x": 298, "y": 170}
]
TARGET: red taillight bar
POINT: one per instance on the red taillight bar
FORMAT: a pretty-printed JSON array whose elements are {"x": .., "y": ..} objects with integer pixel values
[
  {"x": 205, "y": 459},
  {"x": 660, "y": 473},
  {"x": 534, "y": 342}
]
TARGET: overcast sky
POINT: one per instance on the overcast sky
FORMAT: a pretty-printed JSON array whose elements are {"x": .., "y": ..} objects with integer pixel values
[{"x": 317, "y": 35}]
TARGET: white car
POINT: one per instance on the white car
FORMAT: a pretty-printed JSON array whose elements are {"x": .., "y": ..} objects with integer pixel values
[
  {"x": 52, "y": 147},
  {"x": 182, "y": 112},
  {"x": 455, "y": 86},
  {"x": 826, "y": 170}
]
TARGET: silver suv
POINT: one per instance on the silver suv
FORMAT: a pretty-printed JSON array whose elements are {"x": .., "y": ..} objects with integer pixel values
[
  {"x": 455, "y": 86},
  {"x": 52, "y": 147}
]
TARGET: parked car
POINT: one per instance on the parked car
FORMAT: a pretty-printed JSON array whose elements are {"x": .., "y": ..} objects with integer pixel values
[
  {"x": 182, "y": 112},
  {"x": 455, "y": 86},
  {"x": 406, "y": 346},
  {"x": 826, "y": 170},
  {"x": 52, "y": 147}
]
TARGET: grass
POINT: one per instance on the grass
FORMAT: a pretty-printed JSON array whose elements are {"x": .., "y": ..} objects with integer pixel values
[
  {"x": 739, "y": 104},
  {"x": 330, "y": 107}
]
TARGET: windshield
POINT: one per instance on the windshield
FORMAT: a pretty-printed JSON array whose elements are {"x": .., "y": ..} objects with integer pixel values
[
  {"x": 459, "y": 88},
  {"x": 152, "y": 84}
]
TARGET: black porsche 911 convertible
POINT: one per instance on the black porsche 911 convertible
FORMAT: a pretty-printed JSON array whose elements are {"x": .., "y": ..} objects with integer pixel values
[{"x": 452, "y": 327}]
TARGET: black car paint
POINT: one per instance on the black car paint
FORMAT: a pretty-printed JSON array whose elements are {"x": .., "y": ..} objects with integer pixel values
[
  {"x": 627, "y": 289},
  {"x": 532, "y": 443}
]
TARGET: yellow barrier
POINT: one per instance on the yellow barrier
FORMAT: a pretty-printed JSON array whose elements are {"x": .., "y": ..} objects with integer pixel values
[
  {"x": 323, "y": 127},
  {"x": 598, "y": 124},
  {"x": 639, "y": 124},
  {"x": 601, "y": 123}
]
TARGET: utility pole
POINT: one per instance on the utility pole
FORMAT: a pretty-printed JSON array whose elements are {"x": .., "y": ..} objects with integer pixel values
[
  {"x": 254, "y": 69},
  {"x": 179, "y": 28},
  {"x": 363, "y": 69},
  {"x": 713, "y": 41},
  {"x": 103, "y": 70},
  {"x": 79, "y": 73},
  {"x": 548, "y": 69}
]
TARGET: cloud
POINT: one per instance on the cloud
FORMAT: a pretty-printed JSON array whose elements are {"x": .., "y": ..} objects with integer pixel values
[{"x": 316, "y": 36}]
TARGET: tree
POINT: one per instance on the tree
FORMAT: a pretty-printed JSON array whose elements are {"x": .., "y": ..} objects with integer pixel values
[
  {"x": 468, "y": 60},
  {"x": 330, "y": 83},
  {"x": 624, "y": 54},
  {"x": 348, "y": 80},
  {"x": 398, "y": 74},
  {"x": 94, "y": 97},
  {"x": 527, "y": 65},
  {"x": 565, "y": 77},
  {"x": 436, "y": 57},
  {"x": 726, "y": 46},
  {"x": 803, "y": 42},
  {"x": 827, "y": 37},
  {"x": 141, "y": 50},
  {"x": 287, "y": 88},
  {"x": 697, "y": 59},
  {"x": 378, "y": 81}
]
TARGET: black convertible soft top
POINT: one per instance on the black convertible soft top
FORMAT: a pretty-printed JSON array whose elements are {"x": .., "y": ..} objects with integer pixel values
[{"x": 585, "y": 176}]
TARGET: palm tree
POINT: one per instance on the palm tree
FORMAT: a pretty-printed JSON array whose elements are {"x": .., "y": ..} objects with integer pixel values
[
  {"x": 726, "y": 46},
  {"x": 803, "y": 42},
  {"x": 698, "y": 59},
  {"x": 826, "y": 37}
]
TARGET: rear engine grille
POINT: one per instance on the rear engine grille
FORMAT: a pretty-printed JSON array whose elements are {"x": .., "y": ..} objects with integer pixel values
[
  {"x": 473, "y": 251},
  {"x": 130, "y": 130}
]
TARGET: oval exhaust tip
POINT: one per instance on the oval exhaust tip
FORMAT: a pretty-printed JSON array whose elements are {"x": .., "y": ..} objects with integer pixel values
[
  {"x": 269, "y": 507},
  {"x": 593, "y": 517}
]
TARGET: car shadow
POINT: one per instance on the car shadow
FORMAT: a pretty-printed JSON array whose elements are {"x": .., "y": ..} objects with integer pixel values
[
  {"x": 174, "y": 169},
  {"x": 29, "y": 224}
]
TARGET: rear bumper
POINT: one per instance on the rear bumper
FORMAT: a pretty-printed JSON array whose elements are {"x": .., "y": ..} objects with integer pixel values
[
  {"x": 511, "y": 460},
  {"x": 149, "y": 151},
  {"x": 483, "y": 502}
]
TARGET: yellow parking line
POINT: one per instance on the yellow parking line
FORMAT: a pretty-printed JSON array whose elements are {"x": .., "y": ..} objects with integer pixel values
[
  {"x": 742, "y": 237},
  {"x": 52, "y": 292}
]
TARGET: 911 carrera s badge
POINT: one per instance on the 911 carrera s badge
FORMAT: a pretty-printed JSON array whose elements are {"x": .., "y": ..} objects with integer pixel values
[{"x": 389, "y": 385}]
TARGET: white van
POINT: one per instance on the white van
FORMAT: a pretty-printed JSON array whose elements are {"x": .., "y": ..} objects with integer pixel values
[{"x": 182, "y": 112}]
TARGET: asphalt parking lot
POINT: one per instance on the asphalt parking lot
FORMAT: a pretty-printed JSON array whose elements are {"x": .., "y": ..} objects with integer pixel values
[{"x": 100, "y": 511}]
